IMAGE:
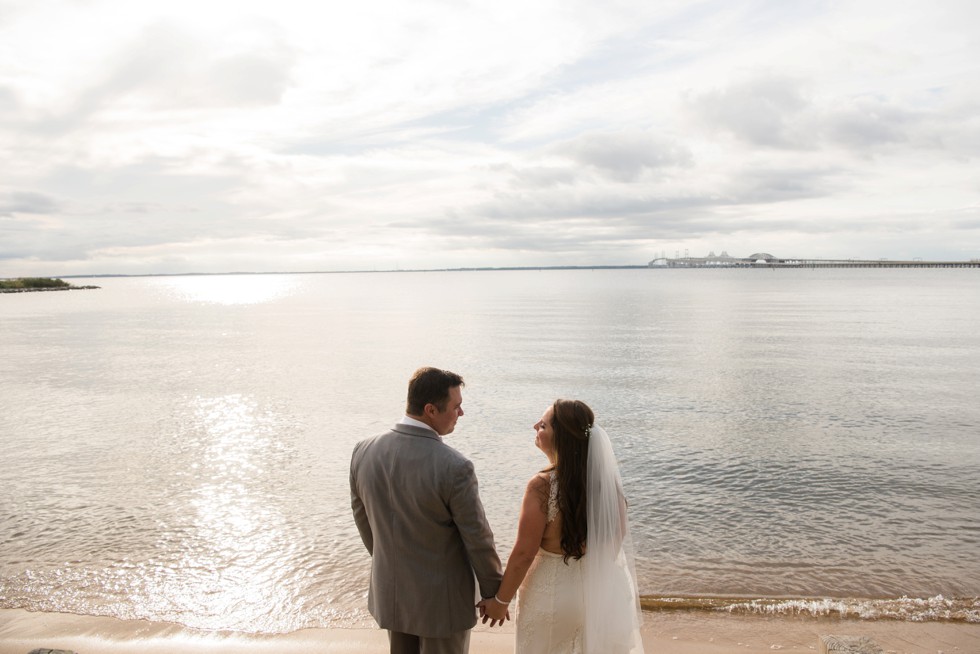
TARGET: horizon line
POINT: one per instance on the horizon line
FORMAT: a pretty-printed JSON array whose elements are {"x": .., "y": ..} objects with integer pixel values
[
  {"x": 884, "y": 261},
  {"x": 344, "y": 272}
]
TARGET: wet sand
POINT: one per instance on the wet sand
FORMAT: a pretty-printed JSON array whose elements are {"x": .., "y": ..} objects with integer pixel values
[{"x": 663, "y": 633}]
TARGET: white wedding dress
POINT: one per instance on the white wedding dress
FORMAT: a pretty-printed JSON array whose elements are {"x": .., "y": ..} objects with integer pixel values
[{"x": 551, "y": 605}]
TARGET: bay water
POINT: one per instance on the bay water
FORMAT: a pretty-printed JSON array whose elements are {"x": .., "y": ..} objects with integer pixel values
[{"x": 176, "y": 448}]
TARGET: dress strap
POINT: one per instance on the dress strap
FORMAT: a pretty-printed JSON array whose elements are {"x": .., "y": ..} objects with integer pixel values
[{"x": 553, "y": 496}]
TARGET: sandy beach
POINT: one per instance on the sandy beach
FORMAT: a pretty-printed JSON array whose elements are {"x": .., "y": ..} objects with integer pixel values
[{"x": 663, "y": 633}]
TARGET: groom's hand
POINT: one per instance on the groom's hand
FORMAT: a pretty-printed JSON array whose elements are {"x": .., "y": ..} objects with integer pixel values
[{"x": 494, "y": 611}]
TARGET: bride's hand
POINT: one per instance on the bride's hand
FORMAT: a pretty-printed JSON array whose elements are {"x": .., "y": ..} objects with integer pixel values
[{"x": 494, "y": 611}]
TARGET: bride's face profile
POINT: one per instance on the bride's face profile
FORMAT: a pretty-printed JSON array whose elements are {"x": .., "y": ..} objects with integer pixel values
[{"x": 544, "y": 433}]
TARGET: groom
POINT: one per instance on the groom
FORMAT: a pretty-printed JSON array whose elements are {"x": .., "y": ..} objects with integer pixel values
[{"x": 418, "y": 510}]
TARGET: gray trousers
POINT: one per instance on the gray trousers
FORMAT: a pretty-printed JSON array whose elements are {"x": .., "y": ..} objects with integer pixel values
[{"x": 458, "y": 643}]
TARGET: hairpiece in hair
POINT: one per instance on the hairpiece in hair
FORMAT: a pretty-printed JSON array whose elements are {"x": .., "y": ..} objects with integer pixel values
[{"x": 588, "y": 431}]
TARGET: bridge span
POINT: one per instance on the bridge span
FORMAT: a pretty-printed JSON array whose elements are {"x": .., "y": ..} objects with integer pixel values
[{"x": 774, "y": 262}]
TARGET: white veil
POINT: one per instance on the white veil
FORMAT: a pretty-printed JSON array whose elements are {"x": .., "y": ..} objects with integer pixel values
[{"x": 612, "y": 604}]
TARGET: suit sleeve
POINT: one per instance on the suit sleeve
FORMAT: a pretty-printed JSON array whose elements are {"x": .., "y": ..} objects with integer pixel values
[
  {"x": 360, "y": 515},
  {"x": 471, "y": 521}
]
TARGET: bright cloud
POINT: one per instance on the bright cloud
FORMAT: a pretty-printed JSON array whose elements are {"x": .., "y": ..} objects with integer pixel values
[{"x": 268, "y": 136}]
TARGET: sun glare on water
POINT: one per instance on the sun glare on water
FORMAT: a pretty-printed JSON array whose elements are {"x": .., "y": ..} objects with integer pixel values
[
  {"x": 234, "y": 534},
  {"x": 230, "y": 289}
]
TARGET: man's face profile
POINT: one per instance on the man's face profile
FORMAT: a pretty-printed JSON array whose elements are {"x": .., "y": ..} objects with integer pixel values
[{"x": 445, "y": 421}]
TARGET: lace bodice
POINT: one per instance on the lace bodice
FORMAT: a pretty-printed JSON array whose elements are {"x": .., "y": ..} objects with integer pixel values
[{"x": 553, "y": 497}]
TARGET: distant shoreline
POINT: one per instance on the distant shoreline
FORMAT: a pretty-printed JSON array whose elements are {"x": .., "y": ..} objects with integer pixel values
[
  {"x": 34, "y": 284},
  {"x": 357, "y": 272},
  {"x": 808, "y": 265}
]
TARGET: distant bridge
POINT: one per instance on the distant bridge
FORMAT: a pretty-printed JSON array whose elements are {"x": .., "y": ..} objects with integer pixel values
[{"x": 763, "y": 260}]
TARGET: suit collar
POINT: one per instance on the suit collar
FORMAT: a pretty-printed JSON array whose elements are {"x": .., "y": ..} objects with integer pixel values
[
  {"x": 412, "y": 430},
  {"x": 414, "y": 422}
]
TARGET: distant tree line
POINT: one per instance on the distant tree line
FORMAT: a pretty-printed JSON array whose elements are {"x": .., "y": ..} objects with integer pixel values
[
  {"x": 33, "y": 282},
  {"x": 36, "y": 284}
]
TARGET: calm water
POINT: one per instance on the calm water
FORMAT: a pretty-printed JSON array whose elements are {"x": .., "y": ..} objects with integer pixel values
[{"x": 176, "y": 448}]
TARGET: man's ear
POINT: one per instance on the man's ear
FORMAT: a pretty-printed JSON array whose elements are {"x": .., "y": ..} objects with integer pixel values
[{"x": 430, "y": 410}]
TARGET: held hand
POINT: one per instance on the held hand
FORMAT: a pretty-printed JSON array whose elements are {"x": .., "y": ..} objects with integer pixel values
[{"x": 494, "y": 611}]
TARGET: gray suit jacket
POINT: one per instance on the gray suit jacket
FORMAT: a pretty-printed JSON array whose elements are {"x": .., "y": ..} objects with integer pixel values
[{"x": 418, "y": 509}]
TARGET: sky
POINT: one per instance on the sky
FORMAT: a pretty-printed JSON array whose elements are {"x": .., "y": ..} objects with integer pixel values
[{"x": 145, "y": 137}]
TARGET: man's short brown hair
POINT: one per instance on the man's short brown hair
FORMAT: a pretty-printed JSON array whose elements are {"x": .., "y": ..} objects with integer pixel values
[{"x": 430, "y": 386}]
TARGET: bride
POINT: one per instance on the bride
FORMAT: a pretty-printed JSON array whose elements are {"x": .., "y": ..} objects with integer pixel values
[{"x": 572, "y": 559}]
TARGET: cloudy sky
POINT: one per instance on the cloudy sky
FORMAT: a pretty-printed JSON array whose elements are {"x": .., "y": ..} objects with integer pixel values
[{"x": 210, "y": 136}]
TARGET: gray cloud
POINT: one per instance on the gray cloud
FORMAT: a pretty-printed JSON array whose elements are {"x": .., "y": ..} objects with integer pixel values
[
  {"x": 166, "y": 69},
  {"x": 968, "y": 219},
  {"x": 176, "y": 70},
  {"x": 589, "y": 203},
  {"x": 254, "y": 78},
  {"x": 764, "y": 185},
  {"x": 533, "y": 177},
  {"x": 8, "y": 102},
  {"x": 579, "y": 197},
  {"x": 563, "y": 217},
  {"x": 26, "y": 202},
  {"x": 573, "y": 235},
  {"x": 774, "y": 112},
  {"x": 762, "y": 111},
  {"x": 624, "y": 156},
  {"x": 869, "y": 122}
]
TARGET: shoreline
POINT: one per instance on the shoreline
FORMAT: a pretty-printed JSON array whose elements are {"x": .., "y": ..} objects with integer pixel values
[
  {"x": 663, "y": 633},
  {"x": 905, "y": 608}
]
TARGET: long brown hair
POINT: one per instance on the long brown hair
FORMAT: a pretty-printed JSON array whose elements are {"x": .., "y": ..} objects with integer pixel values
[{"x": 571, "y": 421}]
